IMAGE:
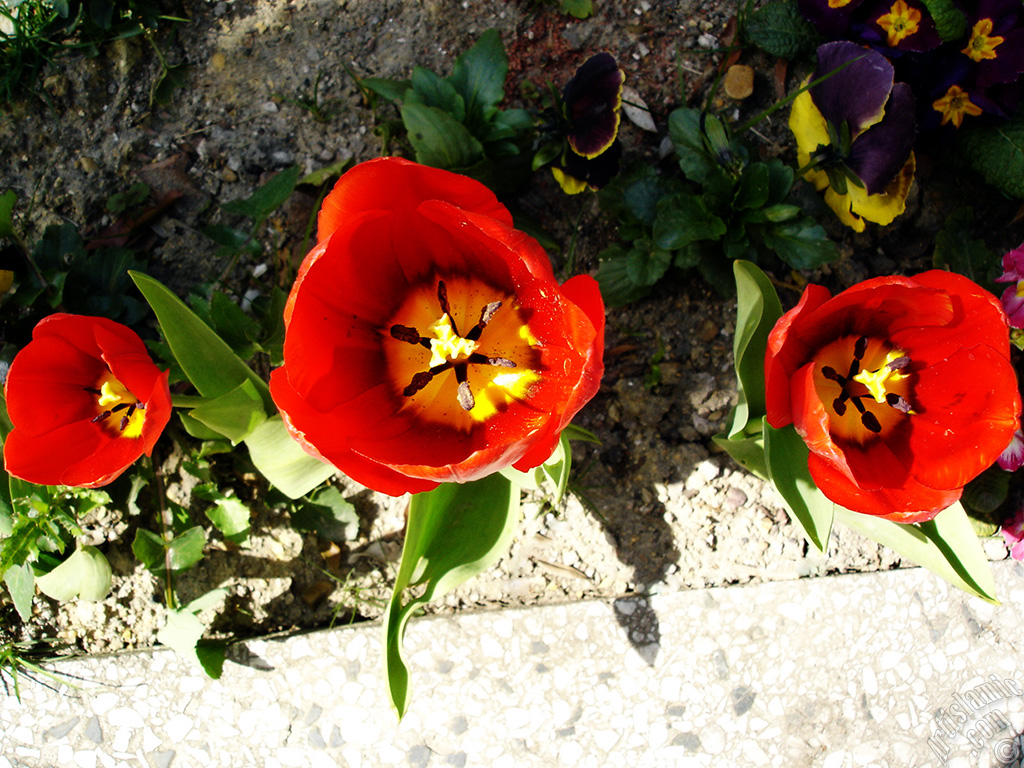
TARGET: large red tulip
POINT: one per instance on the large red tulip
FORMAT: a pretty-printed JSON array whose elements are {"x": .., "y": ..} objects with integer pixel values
[
  {"x": 85, "y": 400},
  {"x": 901, "y": 387},
  {"x": 427, "y": 340}
]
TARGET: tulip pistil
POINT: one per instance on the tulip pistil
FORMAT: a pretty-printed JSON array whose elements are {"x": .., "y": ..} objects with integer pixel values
[
  {"x": 112, "y": 397},
  {"x": 450, "y": 350},
  {"x": 876, "y": 375}
]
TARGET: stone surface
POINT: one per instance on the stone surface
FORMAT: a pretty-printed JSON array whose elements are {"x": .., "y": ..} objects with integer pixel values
[{"x": 859, "y": 670}]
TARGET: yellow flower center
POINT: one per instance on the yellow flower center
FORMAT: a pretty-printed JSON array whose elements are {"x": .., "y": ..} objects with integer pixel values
[
  {"x": 954, "y": 105},
  {"x": 900, "y": 22},
  {"x": 117, "y": 409},
  {"x": 865, "y": 387},
  {"x": 981, "y": 46},
  {"x": 467, "y": 377}
]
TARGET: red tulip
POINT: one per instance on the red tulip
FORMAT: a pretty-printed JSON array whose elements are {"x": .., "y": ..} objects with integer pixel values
[
  {"x": 85, "y": 400},
  {"x": 901, "y": 387},
  {"x": 427, "y": 340}
]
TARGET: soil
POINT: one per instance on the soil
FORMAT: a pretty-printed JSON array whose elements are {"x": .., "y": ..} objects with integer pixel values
[{"x": 657, "y": 507}]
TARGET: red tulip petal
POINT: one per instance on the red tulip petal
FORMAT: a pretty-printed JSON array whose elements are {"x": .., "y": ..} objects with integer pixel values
[
  {"x": 910, "y": 503},
  {"x": 969, "y": 411},
  {"x": 811, "y": 419},
  {"x": 395, "y": 185},
  {"x": 785, "y": 354}
]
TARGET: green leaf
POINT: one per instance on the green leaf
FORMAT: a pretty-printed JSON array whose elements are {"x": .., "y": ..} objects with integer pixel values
[
  {"x": 557, "y": 467},
  {"x": 265, "y": 200},
  {"x": 185, "y": 550},
  {"x": 779, "y": 29},
  {"x": 581, "y": 9},
  {"x": 453, "y": 533},
  {"x": 479, "y": 76},
  {"x": 617, "y": 287},
  {"x": 987, "y": 492},
  {"x": 996, "y": 151},
  {"x": 684, "y": 128},
  {"x": 281, "y": 460},
  {"x": 646, "y": 264},
  {"x": 206, "y": 359},
  {"x": 946, "y": 546},
  {"x": 21, "y": 585},
  {"x": 328, "y": 515},
  {"x": 752, "y": 191},
  {"x": 950, "y": 21},
  {"x": 86, "y": 574},
  {"x": 229, "y": 516},
  {"x": 170, "y": 80},
  {"x": 802, "y": 243},
  {"x": 439, "y": 139},
  {"x": 748, "y": 452},
  {"x": 433, "y": 90},
  {"x": 392, "y": 90},
  {"x": 683, "y": 219},
  {"x": 184, "y": 631},
  {"x": 234, "y": 414},
  {"x": 955, "y": 250},
  {"x": 325, "y": 174},
  {"x": 7, "y": 201},
  {"x": 757, "y": 310},
  {"x": 786, "y": 456}
]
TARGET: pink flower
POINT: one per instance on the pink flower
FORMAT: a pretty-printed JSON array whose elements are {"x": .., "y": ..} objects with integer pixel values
[
  {"x": 1013, "y": 296},
  {"x": 1013, "y": 457},
  {"x": 1013, "y": 533}
]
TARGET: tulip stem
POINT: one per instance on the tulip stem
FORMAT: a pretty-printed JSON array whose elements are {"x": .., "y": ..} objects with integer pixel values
[
  {"x": 166, "y": 531},
  {"x": 570, "y": 262}
]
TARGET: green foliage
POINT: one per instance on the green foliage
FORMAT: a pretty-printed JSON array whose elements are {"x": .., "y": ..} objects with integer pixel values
[
  {"x": 996, "y": 151},
  {"x": 327, "y": 514},
  {"x": 726, "y": 207},
  {"x": 950, "y": 21},
  {"x": 581, "y": 9},
  {"x": 956, "y": 251},
  {"x": 161, "y": 555},
  {"x": 86, "y": 574},
  {"x": 228, "y": 514},
  {"x": 453, "y": 533},
  {"x": 779, "y": 29},
  {"x": 184, "y": 631},
  {"x": 456, "y": 123}
]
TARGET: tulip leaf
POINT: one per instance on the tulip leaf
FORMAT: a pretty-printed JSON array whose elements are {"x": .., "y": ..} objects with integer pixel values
[
  {"x": 557, "y": 467},
  {"x": 786, "y": 457},
  {"x": 947, "y": 546},
  {"x": 453, "y": 533},
  {"x": 86, "y": 574},
  {"x": 206, "y": 359},
  {"x": 180, "y": 553},
  {"x": 281, "y": 460},
  {"x": 233, "y": 415},
  {"x": 757, "y": 310},
  {"x": 21, "y": 584},
  {"x": 439, "y": 139}
]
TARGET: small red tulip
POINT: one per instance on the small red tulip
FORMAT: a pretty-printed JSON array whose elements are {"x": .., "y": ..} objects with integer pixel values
[
  {"x": 427, "y": 340},
  {"x": 901, "y": 387},
  {"x": 85, "y": 400}
]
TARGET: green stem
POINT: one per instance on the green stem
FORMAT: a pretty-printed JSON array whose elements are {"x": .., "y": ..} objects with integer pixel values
[{"x": 570, "y": 262}]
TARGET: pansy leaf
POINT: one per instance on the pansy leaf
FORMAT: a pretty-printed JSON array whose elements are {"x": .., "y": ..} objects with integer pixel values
[
  {"x": 281, "y": 460},
  {"x": 996, "y": 151},
  {"x": 780, "y": 29},
  {"x": 646, "y": 264},
  {"x": 786, "y": 456},
  {"x": 392, "y": 90},
  {"x": 265, "y": 200},
  {"x": 7, "y": 200},
  {"x": 802, "y": 243},
  {"x": 617, "y": 287},
  {"x": 21, "y": 585},
  {"x": 754, "y": 187},
  {"x": 683, "y": 219},
  {"x": 946, "y": 546},
  {"x": 479, "y": 77},
  {"x": 433, "y": 90},
  {"x": 453, "y": 533},
  {"x": 206, "y": 359},
  {"x": 234, "y": 414},
  {"x": 228, "y": 514},
  {"x": 957, "y": 251},
  {"x": 86, "y": 574},
  {"x": 684, "y": 128},
  {"x": 439, "y": 139}
]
